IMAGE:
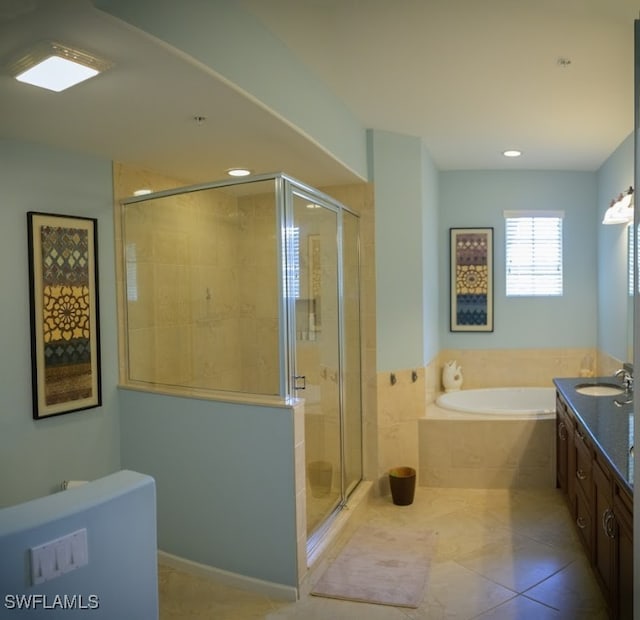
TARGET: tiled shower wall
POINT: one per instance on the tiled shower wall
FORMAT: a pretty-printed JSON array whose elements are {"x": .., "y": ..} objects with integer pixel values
[
  {"x": 358, "y": 197},
  {"x": 202, "y": 278}
]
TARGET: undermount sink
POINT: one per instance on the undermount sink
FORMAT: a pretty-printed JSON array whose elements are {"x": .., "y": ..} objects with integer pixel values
[{"x": 599, "y": 389}]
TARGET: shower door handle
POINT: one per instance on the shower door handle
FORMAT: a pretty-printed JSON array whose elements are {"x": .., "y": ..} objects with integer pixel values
[{"x": 299, "y": 382}]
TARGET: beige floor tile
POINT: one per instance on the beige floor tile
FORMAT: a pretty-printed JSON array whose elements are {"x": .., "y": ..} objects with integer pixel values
[
  {"x": 456, "y": 593},
  {"x": 573, "y": 591},
  {"x": 317, "y": 608},
  {"x": 491, "y": 544},
  {"x": 521, "y": 608},
  {"x": 518, "y": 564}
]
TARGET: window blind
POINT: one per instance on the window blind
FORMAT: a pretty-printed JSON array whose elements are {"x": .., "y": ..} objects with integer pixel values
[
  {"x": 291, "y": 264},
  {"x": 533, "y": 253}
]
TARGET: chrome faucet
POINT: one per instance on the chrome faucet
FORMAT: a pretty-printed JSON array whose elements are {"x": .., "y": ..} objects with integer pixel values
[{"x": 626, "y": 374}]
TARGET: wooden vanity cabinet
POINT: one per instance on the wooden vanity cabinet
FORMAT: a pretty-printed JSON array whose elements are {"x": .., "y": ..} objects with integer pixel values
[
  {"x": 601, "y": 507},
  {"x": 581, "y": 458},
  {"x": 564, "y": 442},
  {"x": 604, "y": 532},
  {"x": 623, "y": 553}
]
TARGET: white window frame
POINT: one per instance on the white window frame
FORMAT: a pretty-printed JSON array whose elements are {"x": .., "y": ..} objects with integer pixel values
[{"x": 531, "y": 269}]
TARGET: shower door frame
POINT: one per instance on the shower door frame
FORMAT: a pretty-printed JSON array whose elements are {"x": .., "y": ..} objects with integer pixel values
[
  {"x": 284, "y": 189},
  {"x": 288, "y": 188}
]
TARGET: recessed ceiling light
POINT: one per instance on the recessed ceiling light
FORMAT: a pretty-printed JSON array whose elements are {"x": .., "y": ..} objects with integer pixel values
[
  {"x": 238, "y": 172},
  {"x": 512, "y": 153},
  {"x": 56, "y": 67}
]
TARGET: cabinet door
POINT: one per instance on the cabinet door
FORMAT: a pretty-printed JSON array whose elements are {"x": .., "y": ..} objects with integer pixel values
[
  {"x": 622, "y": 507},
  {"x": 562, "y": 445},
  {"x": 584, "y": 521},
  {"x": 604, "y": 529},
  {"x": 583, "y": 463}
]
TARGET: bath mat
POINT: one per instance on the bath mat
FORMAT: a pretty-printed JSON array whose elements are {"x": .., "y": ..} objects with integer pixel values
[{"x": 380, "y": 565}]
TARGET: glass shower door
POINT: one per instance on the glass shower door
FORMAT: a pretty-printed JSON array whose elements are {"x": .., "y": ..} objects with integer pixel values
[
  {"x": 318, "y": 354},
  {"x": 352, "y": 366}
]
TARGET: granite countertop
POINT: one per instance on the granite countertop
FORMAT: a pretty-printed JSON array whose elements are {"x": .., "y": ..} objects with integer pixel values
[{"x": 609, "y": 425}]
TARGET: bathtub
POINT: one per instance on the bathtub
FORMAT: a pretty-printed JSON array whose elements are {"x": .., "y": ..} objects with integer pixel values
[
  {"x": 489, "y": 438},
  {"x": 522, "y": 403}
]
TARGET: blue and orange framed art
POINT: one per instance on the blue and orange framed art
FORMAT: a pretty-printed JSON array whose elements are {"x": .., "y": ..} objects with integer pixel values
[
  {"x": 63, "y": 295},
  {"x": 471, "y": 251}
]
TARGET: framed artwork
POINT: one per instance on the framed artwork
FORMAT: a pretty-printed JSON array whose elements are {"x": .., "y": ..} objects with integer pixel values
[
  {"x": 471, "y": 279},
  {"x": 65, "y": 331}
]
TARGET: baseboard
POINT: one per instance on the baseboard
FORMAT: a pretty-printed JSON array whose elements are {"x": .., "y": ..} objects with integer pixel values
[{"x": 235, "y": 580}]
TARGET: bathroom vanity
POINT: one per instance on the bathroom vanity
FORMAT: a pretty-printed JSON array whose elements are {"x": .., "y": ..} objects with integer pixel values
[{"x": 594, "y": 443}]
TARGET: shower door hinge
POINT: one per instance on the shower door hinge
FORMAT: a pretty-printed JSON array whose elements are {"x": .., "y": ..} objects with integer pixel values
[{"x": 299, "y": 382}]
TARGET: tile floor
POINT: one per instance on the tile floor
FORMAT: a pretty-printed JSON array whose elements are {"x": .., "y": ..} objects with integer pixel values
[{"x": 501, "y": 554}]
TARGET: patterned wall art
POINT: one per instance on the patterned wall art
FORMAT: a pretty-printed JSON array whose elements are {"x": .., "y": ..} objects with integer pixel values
[
  {"x": 315, "y": 280},
  {"x": 471, "y": 279},
  {"x": 65, "y": 338}
]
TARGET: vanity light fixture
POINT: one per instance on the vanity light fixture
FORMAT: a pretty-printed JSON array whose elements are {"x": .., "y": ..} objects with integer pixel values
[
  {"x": 512, "y": 153},
  {"x": 56, "y": 67},
  {"x": 238, "y": 172},
  {"x": 621, "y": 209}
]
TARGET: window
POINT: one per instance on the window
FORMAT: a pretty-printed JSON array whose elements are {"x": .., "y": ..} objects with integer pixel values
[
  {"x": 533, "y": 253},
  {"x": 291, "y": 264}
]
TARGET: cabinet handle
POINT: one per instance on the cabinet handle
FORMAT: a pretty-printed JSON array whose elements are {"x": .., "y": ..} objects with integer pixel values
[
  {"x": 580, "y": 475},
  {"x": 581, "y": 523},
  {"x": 608, "y": 523},
  {"x": 579, "y": 434},
  {"x": 562, "y": 431}
]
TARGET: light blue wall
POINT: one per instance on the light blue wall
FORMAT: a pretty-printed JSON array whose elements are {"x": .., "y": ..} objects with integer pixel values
[
  {"x": 397, "y": 169},
  {"x": 37, "y": 455},
  {"x": 234, "y": 44},
  {"x": 478, "y": 198},
  {"x": 225, "y": 481},
  {"x": 615, "y": 307},
  {"x": 431, "y": 292},
  {"x": 118, "y": 512}
]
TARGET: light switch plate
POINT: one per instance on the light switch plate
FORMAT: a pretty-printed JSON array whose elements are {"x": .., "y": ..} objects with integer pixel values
[{"x": 59, "y": 556}]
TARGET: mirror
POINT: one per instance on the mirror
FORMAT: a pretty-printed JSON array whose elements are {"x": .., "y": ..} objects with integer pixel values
[{"x": 630, "y": 267}]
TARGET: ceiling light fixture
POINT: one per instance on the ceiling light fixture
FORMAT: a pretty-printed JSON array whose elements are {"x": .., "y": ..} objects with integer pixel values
[
  {"x": 512, "y": 153},
  {"x": 142, "y": 192},
  {"x": 238, "y": 172},
  {"x": 56, "y": 67},
  {"x": 621, "y": 209}
]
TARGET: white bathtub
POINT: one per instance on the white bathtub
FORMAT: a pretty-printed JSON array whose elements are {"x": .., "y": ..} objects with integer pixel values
[
  {"x": 522, "y": 403},
  {"x": 489, "y": 438}
]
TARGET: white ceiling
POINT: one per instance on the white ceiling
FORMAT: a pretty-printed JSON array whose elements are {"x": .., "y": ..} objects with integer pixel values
[
  {"x": 475, "y": 77},
  {"x": 471, "y": 77}
]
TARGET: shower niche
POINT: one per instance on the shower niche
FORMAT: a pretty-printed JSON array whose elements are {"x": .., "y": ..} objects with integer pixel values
[{"x": 250, "y": 289}]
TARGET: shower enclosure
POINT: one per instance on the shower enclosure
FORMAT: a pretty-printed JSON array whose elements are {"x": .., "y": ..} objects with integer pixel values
[{"x": 251, "y": 289}]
